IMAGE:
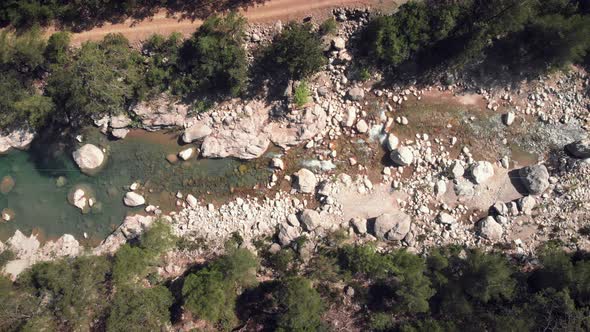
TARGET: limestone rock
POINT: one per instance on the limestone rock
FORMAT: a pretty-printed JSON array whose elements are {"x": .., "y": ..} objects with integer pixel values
[
  {"x": 287, "y": 234},
  {"x": 457, "y": 170},
  {"x": 161, "y": 112},
  {"x": 338, "y": 43},
  {"x": 359, "y": 225},
  {"x": 526, "y": 204},
  {"x": 580, "y": 149},
  {"x": 186, "y": 154},
  {"x": 192, "y": 201},
  {"x": 490, "y": 229},
  {"x": 196, "y": 132},
  {"x": 17, "y": 139},
  {"x": 402, "y": 156},
  {"x": 445, "y": 218},
  {"x": 392, "y": 226},
  {"x": 133, "y": 199},
  {"x": 362, "y": 126},
  {"x": 306, "y": 181},
  {"x": 509, "y": 118},
  {"x": 120, "y": 133},
  {"x": 392, "y": 142},
  {"x": 89, "y": 158},
  {"x": 535, "y": 178},
  {"x": 482, "y": 171},
  {"x": 120, "y": 121},
  {"x": 310, "y": 219},
  {"x": 277, "y": 163},
  {"x": 356, "y": 94}
]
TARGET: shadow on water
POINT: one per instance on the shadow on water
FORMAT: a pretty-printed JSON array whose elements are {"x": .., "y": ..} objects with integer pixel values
[{"x": 50, "y": 152}]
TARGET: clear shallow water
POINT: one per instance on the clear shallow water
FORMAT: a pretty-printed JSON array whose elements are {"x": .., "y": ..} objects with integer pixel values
[{"x": 41, "y": 206}]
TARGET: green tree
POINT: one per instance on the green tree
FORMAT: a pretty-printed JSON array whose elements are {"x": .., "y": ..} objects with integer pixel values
[
  {"x": 298, "y": 51},
  {"x": 56, "y": 51},
  {"x": 140, "y": 309},
  {"x": 211, "y": 292},
  {"x": 411, "y": 285},
  {"x": 163, "y": 60},
  {"x": 301, "y": 307},
  {"x": 102, "y": 79},
  {"x": 214, "y": 58},
  {"x": 487, "y": 277},
  {"x": 72, "y": 289}
]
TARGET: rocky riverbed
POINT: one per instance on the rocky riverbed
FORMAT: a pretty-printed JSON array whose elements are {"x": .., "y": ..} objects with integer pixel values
[{"x": 410, "y": 166}]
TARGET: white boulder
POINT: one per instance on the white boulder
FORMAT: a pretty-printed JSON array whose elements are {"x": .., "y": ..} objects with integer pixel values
[
  {"x": 402, "y": 156},
  {"x": 133, "y": 199},
  {"x": 89, "y": 157}
]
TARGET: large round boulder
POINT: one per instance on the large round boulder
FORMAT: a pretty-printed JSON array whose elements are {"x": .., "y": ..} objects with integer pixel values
[
  {"x": 392, "y": 226},
  {"x": 535, "y": 178},
  {"x": 402, "y": 156},
  {"x": 579, "y": 149},
  {"x": 89, "y": 158}
]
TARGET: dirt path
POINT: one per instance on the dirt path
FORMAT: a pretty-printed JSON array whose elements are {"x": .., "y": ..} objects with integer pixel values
[{"x": 272, "y": 10}]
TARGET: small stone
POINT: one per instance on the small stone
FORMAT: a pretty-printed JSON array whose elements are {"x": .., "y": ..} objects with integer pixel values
[
  {"x": 362, "y": 126},
  {"x": 445, "y": 218},
  {"x": 509, "y": 118},
  {"x": 186, "y": 153},
  {"x": 490, "y": 229},
  {"x": 192, "y": 201}
]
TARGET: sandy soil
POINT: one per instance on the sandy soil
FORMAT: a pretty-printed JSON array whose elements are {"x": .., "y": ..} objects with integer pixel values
[{"x": 272, "y": 10}]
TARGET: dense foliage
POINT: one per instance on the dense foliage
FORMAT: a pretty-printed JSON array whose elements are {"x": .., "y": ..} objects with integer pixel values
[
  {"x": 532, "y": 35},
  {"x": 214, "y": 57},
  {"x": 297, "y": 51}
]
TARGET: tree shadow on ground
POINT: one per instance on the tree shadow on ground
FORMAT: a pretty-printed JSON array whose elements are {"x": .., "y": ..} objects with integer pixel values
[{"x": 85, "y": 15}]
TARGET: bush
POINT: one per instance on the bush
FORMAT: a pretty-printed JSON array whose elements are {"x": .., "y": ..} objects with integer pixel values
[
  {"x": 298, "y": 51},
  {"x": 329, "y": 26},
  {"x": 214, "y": 58},
  {"x": 56, "y": 51},
  {"x": 140, "y": 309},
  {"x": 162, "y": 61},
  {"x": 301, "y": 96},
  {"x": 211, "y": 293},
  {"x": 301, "y": 306}
]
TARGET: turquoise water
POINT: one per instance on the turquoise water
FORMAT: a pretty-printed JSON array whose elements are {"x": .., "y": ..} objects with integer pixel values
[{"x": 41, "y": 206}]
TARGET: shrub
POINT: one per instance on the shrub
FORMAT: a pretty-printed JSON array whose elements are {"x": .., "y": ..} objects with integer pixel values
[
  {"x": 301, "y": 96},
  {"x": 298, "y": 51},
  {"x": 140, "y": 309},
  {"x": 301, "y": 306},
  {"x": 211, "y": 293},
  {"x": 329, "y": 26},
  {"x": 214, "y": 58}
]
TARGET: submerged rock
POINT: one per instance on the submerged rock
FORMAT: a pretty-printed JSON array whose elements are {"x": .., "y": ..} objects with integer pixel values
[
  {"x": 7, "y": 214},
  {"x": 133, "y": 199},
  {"x": 392, "y": 226},
  {"x": 89, "y": 158},
  {"x": 7, "y": 184}
]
